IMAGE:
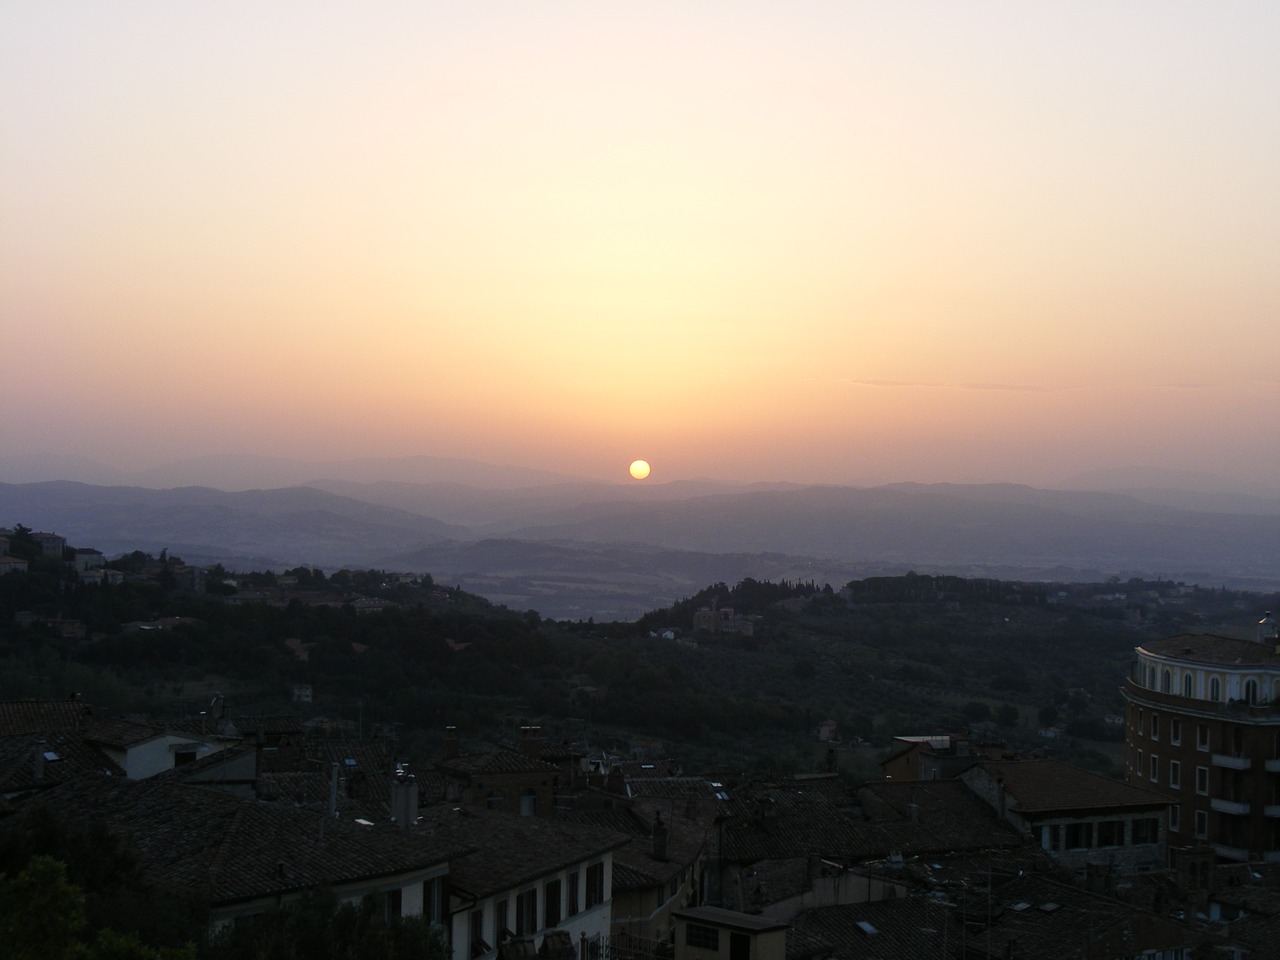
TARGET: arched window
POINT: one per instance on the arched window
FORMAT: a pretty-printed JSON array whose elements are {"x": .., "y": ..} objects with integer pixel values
[
  {"x": 1166, "y": 682},
  {"x": 1186, "y": 685},
  {"x": 1215, "y": 689},
  {"x": 1251, "y": 691},
  {"x": 1151, "y": 678}
]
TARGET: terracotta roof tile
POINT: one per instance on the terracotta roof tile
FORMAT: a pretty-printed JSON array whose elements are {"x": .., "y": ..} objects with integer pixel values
[
  {"x": 1208, "y": 648},
  {"x": 35, "y": 716},
  {"x": 1049, "y": 786}
]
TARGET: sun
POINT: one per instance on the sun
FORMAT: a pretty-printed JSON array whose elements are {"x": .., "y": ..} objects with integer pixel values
[{"x": 639, "y": 469}]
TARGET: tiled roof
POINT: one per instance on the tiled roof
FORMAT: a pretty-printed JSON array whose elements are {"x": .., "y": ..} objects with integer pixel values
[
  {"x": 235, "y": 849},
  {"x": 272, "y": 726},
  {"x": 1208, "y": 648},
  {"x": 635, "y": 867},
  {"x": 120, "y": 734},
  {"x": 1050, "y": 786},
  {"x": 1031, "y": 916},
  {"x": 510, "y": 851},
  {"x": 792, "y": 823},
  {"x": 35, "y": 716},
  {"x": 496, "y": 761},
  {"x": 76, "y": 759}
]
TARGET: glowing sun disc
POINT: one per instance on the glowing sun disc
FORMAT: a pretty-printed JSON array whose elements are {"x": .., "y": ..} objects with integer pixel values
[{"x": 639, "y": 469}]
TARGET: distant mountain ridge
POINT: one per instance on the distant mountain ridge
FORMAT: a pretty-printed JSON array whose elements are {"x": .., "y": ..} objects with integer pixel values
[{"x": 604, "y": 550}]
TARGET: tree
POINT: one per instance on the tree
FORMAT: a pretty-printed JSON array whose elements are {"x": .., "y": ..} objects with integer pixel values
[
  {"x": 975, "y": 711},
  {"x": 1007, "y": 715},
  {"x": 1048, "y": 716}
]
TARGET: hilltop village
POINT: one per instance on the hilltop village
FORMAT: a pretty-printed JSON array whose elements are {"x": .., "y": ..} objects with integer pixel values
[{"x": 147, "y": 816}]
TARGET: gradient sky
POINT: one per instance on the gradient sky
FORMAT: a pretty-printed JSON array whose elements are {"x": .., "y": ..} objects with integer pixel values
[{"x": 812, "y": 241}]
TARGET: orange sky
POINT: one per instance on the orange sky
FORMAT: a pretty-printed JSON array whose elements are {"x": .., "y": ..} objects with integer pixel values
[{"x": 813, "y": 241}]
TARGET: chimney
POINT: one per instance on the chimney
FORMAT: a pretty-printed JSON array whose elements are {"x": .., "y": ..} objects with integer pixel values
[
  {"x": 404, "y": 800},
  {"x": 38, "y": 761},
  {"x": 531, "y": 742},
  {"x": 450, "y": 749},
  {"x": 659, "y": 838},
  {"x": 616, "y": 782}
]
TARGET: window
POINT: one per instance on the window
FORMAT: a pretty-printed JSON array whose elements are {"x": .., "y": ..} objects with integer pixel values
[
  {"x": 1251, "y": 692},
  {"x": 1202, "y": 736},
  {"x": 1202, "y": 823},
  {"x": 501, "y": 923},
  {"x": 1202, "y": 781},
  {"x": 571, "y": 894},
  {"x": 696, "y": 935},
  {"x": 1079, "y": 835},
  {"x": 391, "y": 901},
  {"x": 1175, "y": 731},
  {"x": 1187, "y": 689},
  {"x": 1215, "y": 689},
  {"x": 1155, "y": 726},
  {"x": 551, "y": 896},
  {"x": 1175, "y": 774},
  {"x": 1155, "y": 768},
  {"x": 595, "y": 885},
  {"x": 1138, "y": 767},
  {"x": 1111, "y": 833},
  {"x": 528, "y": 803},
  {"x": 495, "y": 801},
  {"x": 1141, "y": 724},
  {"x": 526, "y": 913},
  {"x": 1175, "y": 819},
  {"x": 1146, "y": 830},
  {"x": 475, "y": 932},
  {"x": 1151, "y": 678},
  {"x": 1166, "y": 682}
]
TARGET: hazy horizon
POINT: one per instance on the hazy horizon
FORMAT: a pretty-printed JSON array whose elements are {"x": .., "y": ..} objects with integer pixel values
[{"x": 849, "y": 243}]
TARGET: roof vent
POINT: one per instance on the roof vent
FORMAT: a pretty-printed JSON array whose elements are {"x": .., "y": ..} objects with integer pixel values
[
  {"x": 867, "y": 928},
  {"x": 1049, "y": 907}
]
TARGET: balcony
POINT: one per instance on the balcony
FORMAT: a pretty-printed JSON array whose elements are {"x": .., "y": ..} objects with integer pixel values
[
  {"x": 1231, "y": 853},
  {"x": 1236, "y": 807},
  {"x": 1232, "y": 762}
]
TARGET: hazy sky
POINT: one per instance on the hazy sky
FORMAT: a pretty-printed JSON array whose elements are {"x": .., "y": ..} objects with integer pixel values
[{"x": 832, "y": 241}]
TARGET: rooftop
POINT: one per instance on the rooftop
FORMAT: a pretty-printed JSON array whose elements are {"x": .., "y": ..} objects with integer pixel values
[
  {"x": 1208, "y": 648},
  {"x": 1050, "y": 786}
]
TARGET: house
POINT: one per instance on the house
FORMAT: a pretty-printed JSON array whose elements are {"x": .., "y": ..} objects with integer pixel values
[
  {"x": 517, "y": 781},
  {"x": 1024, "y": 916},
  {"x": 51, "y": 545},
  {"x": 143, "y": 750},
  {"x": 713, "y": 933},
  {"x": 528, "y": 882},
  {"x": 245, "y": 857},
  {"x": 928, "y": 757},
  {"x": 12, "y": 565},
  {"x": 662, "y": 868},
  {"x": 1077, "y": 817}
]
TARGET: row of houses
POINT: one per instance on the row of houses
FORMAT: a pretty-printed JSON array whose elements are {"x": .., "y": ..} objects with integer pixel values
[{"x": 537, "y": 847}]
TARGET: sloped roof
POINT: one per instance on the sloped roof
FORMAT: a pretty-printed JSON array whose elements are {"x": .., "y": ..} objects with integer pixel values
[
  {"x": 1031, "y": 915},
  {"x": 496, "y": 761},
  {"x": 75, "y": 759},
  {"x": 1050, "y": 786},
  {"x": 1210, "y": 649},
  {"x": 236, "y": 849},
  {"x": 120, "y": 734},
  {"x": 793, "y": 823},
  {"x": 509, "y": 851},
  {"x": 35, "y": 716}
]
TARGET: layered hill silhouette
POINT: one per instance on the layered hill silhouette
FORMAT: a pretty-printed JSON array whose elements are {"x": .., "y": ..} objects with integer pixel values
[{"x": 580, "y": 548}]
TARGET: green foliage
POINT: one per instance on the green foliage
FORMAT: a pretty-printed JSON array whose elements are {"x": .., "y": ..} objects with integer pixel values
[{"x": 318, "y": 927}]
